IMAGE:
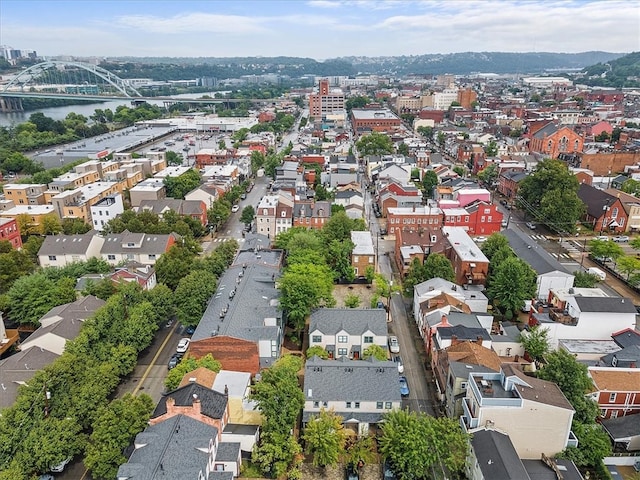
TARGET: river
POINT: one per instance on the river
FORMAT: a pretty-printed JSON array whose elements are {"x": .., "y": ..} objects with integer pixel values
[{"x": 60, "y": 113}]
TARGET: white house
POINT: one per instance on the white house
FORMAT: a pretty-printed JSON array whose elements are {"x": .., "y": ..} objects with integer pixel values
[{"x": 105, "y": 210}]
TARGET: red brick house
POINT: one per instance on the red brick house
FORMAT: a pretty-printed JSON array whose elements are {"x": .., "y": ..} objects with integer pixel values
[
  {"x": 485, "y": 218},
  {"x": 311, "y": 214},
  {"x": 416, "y": 242},
  {"x": 10, "y": 232},
  {"x": 210, "y": 156},
  {"x": 417, "y": 217},
  {"x": 552, "y": 140},
  {"x": 470, "y": 265},
  {"x": 616, "y": 390},
  {"x": 508, "y": 183},
  {"x": 604, "y": 211},
  {"x": 232, "y": 353}
]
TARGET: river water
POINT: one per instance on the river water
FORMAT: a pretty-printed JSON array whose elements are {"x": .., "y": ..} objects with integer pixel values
[{"x": 60, "y": 113}]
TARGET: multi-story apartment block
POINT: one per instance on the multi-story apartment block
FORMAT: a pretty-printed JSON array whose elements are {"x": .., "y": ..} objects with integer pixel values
[
  {"x": 76, "y": 203},
  {"x": 72, "y": 180},
  {"x": 151, "y": 189},
  {"x": 106, "y": 210},
  {"x": 373, "y": 119},
  {"x": 426, "y": 216},
  {"x": 325, "y": 101},
  {"x": 25, "y": 194}
]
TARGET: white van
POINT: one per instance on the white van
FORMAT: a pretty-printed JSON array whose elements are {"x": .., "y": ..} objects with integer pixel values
[{"x": 597, "y": 272}]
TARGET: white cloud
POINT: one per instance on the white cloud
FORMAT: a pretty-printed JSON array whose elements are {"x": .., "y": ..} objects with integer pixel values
[{"x": 193, "y": 22}]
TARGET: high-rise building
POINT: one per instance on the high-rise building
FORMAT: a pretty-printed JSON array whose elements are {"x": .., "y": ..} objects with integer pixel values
[{"x": 325, "y": 101}]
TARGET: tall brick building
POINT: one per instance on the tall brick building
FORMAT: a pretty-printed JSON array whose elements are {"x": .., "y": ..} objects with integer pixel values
[{"x": 325, "y": 101}]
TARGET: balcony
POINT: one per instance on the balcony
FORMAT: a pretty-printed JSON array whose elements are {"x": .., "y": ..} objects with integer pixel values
[
  {"x": 490, "y": 392},
  {"x": 561, "y": 316}
]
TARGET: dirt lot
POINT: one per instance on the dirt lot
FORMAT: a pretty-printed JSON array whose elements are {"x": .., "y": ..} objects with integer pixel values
[{"x": 364, "y": 292}]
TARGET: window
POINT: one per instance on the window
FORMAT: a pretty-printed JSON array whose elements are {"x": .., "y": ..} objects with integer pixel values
[
  {"x": 621, "y": 221},
  {"x": 316, "y": 338},
  {"x": 355, "y": 258},
  {"x": 342, "y": 352},
  {"x": 379, "y": 405},
  {"x": 316, "y": 404},
  {"x": 368, "y": 339},
  {"x": 348, "y": 404},
  {"x": 356, "y": 405},
  {"x": 482, "y": 219},
  {"x": 489, "y": 219},
  {"x": 463, "y": 385},
  {"x": 325, "y": 404},
  {"x": 612, "y": 397},
  {"x": 111, "y": 257},
  {"x": 387, "y": 405},
  {"x": 52, "y": 258},
  {"x": 152, "y": 256},
  {"x": 466, "y": 219},
  {"x": 614, "y": 212},
  {"x": 343, "y": 339}
]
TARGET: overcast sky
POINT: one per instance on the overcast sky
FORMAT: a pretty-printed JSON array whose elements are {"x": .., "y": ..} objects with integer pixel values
[{"x": 318, "y": 29}]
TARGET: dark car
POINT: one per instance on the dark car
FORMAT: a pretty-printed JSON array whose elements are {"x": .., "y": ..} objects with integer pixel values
[
  {"x": 174, "y": 360},
  {"x": 383, "y": 231},
  {"x": 189, "y": 330},
  {"x": 387, "y": 472},
  {"x": 404, "y": 386},
  {"x": 351, "y": 473}
]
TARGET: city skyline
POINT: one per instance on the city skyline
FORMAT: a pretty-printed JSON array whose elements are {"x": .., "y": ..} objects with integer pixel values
[{"x": 317, "y": 29}]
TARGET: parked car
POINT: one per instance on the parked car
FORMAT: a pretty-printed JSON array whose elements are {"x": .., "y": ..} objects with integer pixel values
[
  {"x": 183, "y": 345},
  {"x": 480, "y": 239},
  {"x": 60, "y": 466},
  {"x": 398, "y": 361},
  {"x": 235, "y": 208},
  {"x": 621, "y": 238},
  {"x": 394, "y": 346},
  {"x": 603, "y": 238},
  {"x": 174, "y": 360},
  {"x": 351, "y": 473},
  {"x": 530, "y": 225},
  {"x": 243, "y": 196},
  {"x": 505, "y": 223},
  {"x": 387, "y": 472},
  {"x": 46, "y": 476},
  {"x": 190, "y": 330},
  {"x": 383, "y": 231},
  {"x": 404, "y": 386}
]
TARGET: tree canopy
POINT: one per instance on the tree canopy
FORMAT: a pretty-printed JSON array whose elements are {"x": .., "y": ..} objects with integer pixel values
[{"x": 375, "y": 144}]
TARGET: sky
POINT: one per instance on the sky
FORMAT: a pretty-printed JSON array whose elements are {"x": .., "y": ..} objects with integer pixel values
[{"x": 318, "y": 29}]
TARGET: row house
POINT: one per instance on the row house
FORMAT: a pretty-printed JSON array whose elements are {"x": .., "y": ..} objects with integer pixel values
[
  {"x": 508, "y": 183},
  {"x": 424, "y": 216},
  {"x": 363, "y": 255},
  {"x": 616, "y": 391},
  {"x": 73, "y": 180},
  {"x": 196, "y": 209},
  {"x": 552, "y": 140},
  {"x": 479, "y": 218},
  {"x": 274, "y": 214},
  {"x": 470, "y": 265},
  {"x": 416, "y": 242},
  {"x": 533, "y": 412},
  {"x": 9, "y": 232},
  {"x": 311, "y": 214},
  {"x": 631, "y": 205},
  {"x": 605, "y": 212},
  {"x": 150, "y": 189},
  {"x": 32, "y": 215},
  {"x": 211, "y": 156}
]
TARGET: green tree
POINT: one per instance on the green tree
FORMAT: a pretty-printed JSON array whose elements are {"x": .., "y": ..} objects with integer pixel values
[
  {"x": 191, "y": 296},
  {"x": 189, "y": 364},
  {"x": 50, "y": 225},
  {"x": 536, "y": 342},
  {"x": 552, "y": 184},
  {"x": 429, "y": 181},
  {"x": 115, "y": 428},
  {"x": 13, "y": 265},
  {"x": 317, "y": 351},
  {"x": 593, "y": 445},
  {"x": 495, "y": 242},
  {"x": 161, "y": 297},
  {"x": 339, "y": 227},
  {"x": 459, "y": 170},
  {"x": 585, "y": 280},
  {"x": 375, "y": 351},
  {"x": 491, "y": 149},
  {"x": 605, "y": 249},
  {"x": 173, "y": 158},
  {"x": 438, "y": 266},
  {"x": 425, "y": 132},
  {"x": 513, "y": 282},
  {"x": 174, "y": 265},
  {"x": 178, "y": 187},
  {"x": 416, "y": 443},
  {"x": 324, "y": 438},
  {"x": 352, "y": 301},
  {"x": 403, "y": 149},
  {"x": 375, "y": 144},
  {"x": 305, "y": 287},
  {"x": 489, "y": 174},
  {"x": 628, "y": 265},
  {"x": 572, "y": 377},
  {"x": 102, "y": 288},
  {"x": 248, "y": 214}
]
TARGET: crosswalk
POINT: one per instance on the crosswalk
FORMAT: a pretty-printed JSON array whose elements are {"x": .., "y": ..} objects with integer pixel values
[
  {"x": 539, "y": 237},
  {"x": 560, "y": 256}
]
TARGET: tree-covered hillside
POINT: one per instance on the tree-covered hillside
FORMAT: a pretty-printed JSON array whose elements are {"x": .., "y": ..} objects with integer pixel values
[{"x": 621, "y": 72}]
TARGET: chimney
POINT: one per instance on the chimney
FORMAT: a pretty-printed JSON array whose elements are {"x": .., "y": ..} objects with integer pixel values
[
  {"x": 479, "y": 340},
  {"x": 171, "y": 406},
  {"x": 196, "y": 405}
]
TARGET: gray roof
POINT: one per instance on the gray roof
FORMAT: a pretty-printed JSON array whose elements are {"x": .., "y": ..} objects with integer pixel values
[
  {"x": 627, "y": 337},
  {"x": 355, "y": 321},
  {"x": 462, "y": 369},
  {"x": 628, "y": 357},
  {"x": 538, "y": 470},
  {"x": 212, "y": 404},
  {"x": 497, "y": 457},
  {"x": 549, "y": 129},
  {"x": 66, "y": 244},
  {"x": 462, "y": 332},
  {"x": 255, "y": 300},
  {"x": 622, "y": 427},
  {"x": 351, "y": 380},
  {"x": 228, "y": 452},
  {"x": 174, "y": 449},
  {"x": 81, "y": 309},
  {"x": 360, "y": 417},
  {"x": 181, "y": 207},
  {"x": 348, "y": 194},
  {"x": 528, "y": 250},
  {"x": 511, "y": 334},
  {"x": 143, "y": 243},
  {"x": 605, "y": 304},
  {"x": 20, "y": 368}
]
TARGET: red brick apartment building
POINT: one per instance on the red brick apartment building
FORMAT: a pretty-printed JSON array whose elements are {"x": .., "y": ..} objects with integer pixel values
[
  {"x": 325, "y": 101},
  {"x": 10, "y": 232},
  {"x": 373, "y": 120}
]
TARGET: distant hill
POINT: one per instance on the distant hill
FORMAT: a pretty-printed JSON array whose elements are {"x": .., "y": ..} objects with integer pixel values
[
  {"x": 618, "y": 73},
  {"x": 453, "y": 63}
]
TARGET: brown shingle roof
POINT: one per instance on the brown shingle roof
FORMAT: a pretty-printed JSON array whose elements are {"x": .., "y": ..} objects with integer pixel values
[
  {"x": 201, "y": 375},
  {"x": 470, "y": 352},
  {"x": 541, "y": 391},
  {"x": 616, "y": 380}
]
